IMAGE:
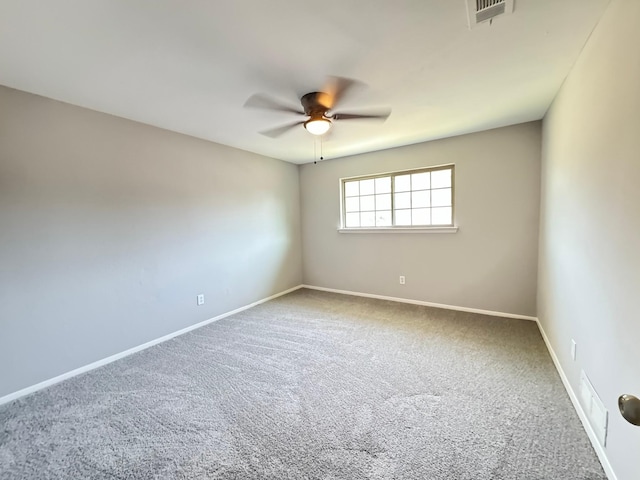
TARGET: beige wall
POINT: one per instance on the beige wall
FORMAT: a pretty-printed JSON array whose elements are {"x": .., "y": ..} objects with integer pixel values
[
  {"x": 490, "y": 263},
  {"x": 109, "y": 229},
  {"x": 590, "y": 223}
]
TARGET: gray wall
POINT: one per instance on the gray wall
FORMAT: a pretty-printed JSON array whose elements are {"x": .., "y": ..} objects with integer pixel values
[
  {"x": 109, "y": 229},
  {"x": 590, "y": 222},
  {"x": 490, "y": 263}
]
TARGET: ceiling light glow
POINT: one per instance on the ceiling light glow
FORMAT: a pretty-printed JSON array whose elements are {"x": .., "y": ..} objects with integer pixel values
[{"x": 317, "y": 125}]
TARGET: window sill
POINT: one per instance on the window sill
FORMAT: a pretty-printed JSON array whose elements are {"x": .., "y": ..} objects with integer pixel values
[{"x": 453, "y": 229}]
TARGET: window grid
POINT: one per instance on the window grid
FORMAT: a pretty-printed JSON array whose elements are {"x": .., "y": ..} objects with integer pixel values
[{"x": 392, "y": 210}]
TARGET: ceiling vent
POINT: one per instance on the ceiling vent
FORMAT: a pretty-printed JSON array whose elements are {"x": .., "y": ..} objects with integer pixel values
[{"x": 483, "y": 10}]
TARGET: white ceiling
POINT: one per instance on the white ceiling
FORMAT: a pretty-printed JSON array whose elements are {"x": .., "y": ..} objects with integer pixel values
[{"x": 189, "y": 66}]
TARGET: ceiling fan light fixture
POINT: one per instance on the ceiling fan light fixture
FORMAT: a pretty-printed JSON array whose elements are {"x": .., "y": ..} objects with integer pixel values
[{"x": 317, "y": 125}]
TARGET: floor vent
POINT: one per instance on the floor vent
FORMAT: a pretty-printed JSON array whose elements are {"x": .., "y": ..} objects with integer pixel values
[
  {"x": 594, "y": 408},
  {"x": 483, "y": 10}
]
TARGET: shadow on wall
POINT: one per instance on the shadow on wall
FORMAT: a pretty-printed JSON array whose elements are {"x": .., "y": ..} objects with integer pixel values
[{"x": 111, "y": 228}]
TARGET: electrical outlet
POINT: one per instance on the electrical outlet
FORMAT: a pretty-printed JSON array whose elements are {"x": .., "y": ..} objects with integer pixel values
[
  {"x": 200, "y": 299},
  {"x": 402, "y": 280},
  {"x": 573, "y": 349}
]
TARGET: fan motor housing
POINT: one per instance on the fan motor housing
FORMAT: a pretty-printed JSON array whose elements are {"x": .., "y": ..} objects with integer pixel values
[{"x": 311, "y": 104}]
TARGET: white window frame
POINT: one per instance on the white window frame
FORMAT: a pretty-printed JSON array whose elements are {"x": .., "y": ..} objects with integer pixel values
[{"x": 449, "y": 228}]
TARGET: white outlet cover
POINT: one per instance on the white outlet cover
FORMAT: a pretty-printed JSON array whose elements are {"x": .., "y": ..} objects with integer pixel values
[{"x": 200, "y": 299}]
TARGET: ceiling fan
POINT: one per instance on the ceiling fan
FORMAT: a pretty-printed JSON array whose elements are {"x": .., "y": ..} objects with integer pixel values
[{"x": 318, "y": 106}]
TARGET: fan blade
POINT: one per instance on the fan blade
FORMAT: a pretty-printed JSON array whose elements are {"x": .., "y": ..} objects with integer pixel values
[
  {"x": 335, "y": 90},
  {"x": 276, "y": 132},
  {"x": 355, "y": 116},
  {"x": 262, "y": 101}
]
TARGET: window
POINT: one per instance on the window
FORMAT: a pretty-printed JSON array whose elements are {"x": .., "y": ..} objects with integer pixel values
[{"x": 414, "y": 198}]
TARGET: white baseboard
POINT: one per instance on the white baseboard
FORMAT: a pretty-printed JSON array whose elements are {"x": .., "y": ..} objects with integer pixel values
[
  {"x": 426, "y": 304},
  {"x": 52, "y": 381},
  {"x": 600, "y": 452}
]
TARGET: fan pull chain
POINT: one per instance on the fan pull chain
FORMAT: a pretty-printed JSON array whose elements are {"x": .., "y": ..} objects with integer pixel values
[{"x": 315, "y": 145}]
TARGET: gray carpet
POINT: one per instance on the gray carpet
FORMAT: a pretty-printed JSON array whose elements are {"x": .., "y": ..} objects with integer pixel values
[{"x": 312, "y": 385}]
